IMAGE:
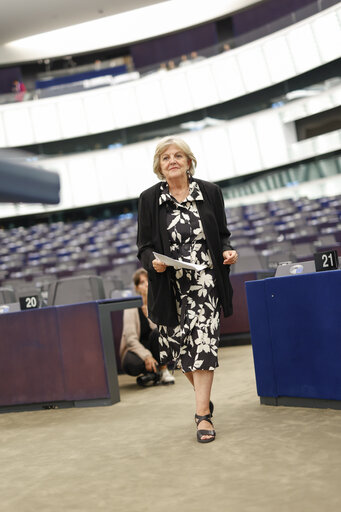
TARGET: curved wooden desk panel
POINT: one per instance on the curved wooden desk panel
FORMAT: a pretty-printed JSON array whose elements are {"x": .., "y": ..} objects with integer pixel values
[
  {"x": 60, "y": 356},
  {"x": 31, "y": 366}
]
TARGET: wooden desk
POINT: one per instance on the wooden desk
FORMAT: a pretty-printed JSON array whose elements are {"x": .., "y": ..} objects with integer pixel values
[{"x": 60, "y": 356}]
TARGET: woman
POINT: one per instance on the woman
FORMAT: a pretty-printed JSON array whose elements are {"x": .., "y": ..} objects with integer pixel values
[
  {"x": 139, "y": 348},
  {"x": 184, "y": 218}
]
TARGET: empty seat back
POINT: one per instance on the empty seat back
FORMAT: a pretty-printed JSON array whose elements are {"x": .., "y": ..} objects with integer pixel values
[
  {"x": 71, "y": 290},
  {"x": 7, "y": 295}
]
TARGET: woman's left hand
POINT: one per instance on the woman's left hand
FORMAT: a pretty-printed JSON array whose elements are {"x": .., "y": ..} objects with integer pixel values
[{"x": 230, "y": 257}]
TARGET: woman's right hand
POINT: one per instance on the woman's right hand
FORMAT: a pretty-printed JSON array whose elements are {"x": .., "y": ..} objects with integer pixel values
[
  {"x": 150, "y": 364},
  {"x": 159, "y": 266}
]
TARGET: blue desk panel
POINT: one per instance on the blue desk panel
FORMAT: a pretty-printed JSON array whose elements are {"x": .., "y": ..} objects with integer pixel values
[{"x": 295, "y": 325}]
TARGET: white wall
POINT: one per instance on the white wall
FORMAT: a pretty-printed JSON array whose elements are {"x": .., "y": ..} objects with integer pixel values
[{"x": 330, "y": 186}]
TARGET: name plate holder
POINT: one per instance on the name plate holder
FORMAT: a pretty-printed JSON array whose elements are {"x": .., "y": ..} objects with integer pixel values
[
  {"x": 326, "y": 260},
  {"x": 29, "y": 302}
]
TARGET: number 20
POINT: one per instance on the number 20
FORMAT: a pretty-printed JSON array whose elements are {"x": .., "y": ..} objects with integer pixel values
[{"x": 31, "y": 302}]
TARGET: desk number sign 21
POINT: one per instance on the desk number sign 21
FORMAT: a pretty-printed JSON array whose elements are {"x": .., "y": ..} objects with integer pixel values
[{"x": 326, "y": 260}]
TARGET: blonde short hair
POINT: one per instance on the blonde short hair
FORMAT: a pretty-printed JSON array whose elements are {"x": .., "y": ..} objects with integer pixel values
[{"x": 163, "y": 145}]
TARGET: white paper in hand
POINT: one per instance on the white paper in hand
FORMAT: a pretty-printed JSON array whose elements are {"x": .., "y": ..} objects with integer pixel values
[{"x": 177, "y": 263}]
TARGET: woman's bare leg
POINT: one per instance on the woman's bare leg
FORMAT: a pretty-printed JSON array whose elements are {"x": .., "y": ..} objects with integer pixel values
[
  {"x": 203, "y": 384},
  {"x": 203, "y": 380}
]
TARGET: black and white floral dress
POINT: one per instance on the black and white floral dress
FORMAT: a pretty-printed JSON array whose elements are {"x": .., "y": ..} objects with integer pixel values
[{"x": 194, "y": 342}]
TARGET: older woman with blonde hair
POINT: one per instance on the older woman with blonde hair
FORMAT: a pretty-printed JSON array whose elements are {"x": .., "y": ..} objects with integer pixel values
[{"x": 184, "y": 218}]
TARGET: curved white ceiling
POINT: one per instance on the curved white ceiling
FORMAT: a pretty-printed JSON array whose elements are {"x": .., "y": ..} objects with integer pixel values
[
  {"x": 108, "y": 31},
  {"x": 24, "y": 18}
]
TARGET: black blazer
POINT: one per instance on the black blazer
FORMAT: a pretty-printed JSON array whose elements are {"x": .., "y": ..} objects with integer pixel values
[{"x": 152, "y": 236}]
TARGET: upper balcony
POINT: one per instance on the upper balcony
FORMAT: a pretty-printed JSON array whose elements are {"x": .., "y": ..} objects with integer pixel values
[{"x": 272, "y": 59}]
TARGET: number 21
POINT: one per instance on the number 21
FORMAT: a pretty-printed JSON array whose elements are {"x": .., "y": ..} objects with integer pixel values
[{"x": 325, "y": 259}]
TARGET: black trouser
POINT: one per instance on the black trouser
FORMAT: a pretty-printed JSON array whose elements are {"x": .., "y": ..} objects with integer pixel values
[{"x": 132, "y": 364}]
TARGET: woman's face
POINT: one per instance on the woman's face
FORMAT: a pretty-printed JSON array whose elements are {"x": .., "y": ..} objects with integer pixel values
[
  {"x": 142, "y": 287},
  {"x": 174, "y": 163}
]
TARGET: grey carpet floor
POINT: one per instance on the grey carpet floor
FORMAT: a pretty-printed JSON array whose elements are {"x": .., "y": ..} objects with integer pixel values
[{"x": 141, "y": 454}]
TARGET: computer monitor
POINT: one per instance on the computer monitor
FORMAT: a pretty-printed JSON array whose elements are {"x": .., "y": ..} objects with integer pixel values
[
  {"x": 289, "y": 268},
  {"x": 9, "y": 308}
]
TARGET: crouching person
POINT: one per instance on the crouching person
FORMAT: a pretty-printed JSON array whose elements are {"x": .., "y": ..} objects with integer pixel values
[{"x": 139, "y": 344}]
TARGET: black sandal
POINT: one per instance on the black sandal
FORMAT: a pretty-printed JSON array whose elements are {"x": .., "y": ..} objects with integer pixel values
[
  {"x": 211, "y": 410},
  {"x": 202, "y": 433}
]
